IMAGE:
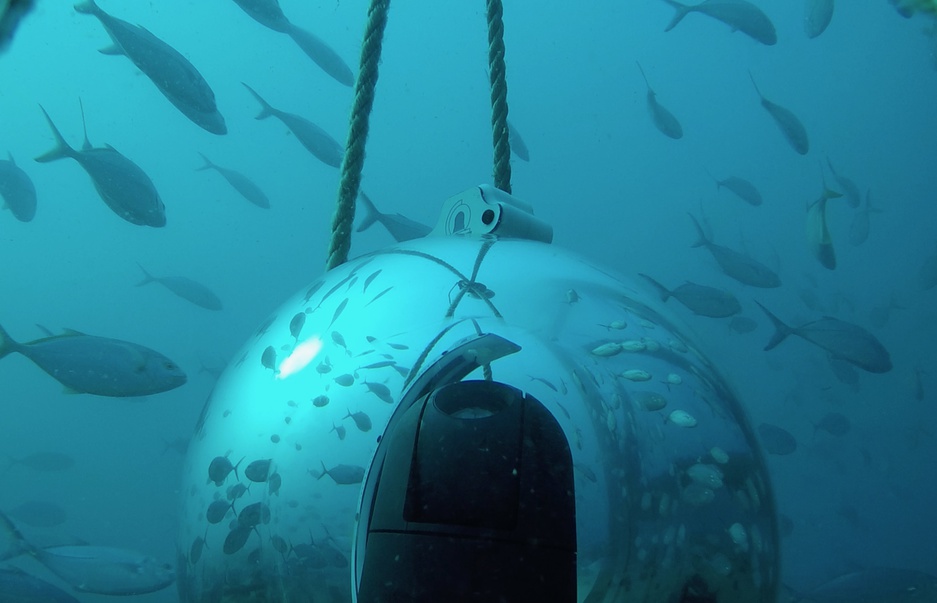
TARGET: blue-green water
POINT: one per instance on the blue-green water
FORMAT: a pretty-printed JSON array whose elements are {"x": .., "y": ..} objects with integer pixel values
[{"x": 614, "y": 188}]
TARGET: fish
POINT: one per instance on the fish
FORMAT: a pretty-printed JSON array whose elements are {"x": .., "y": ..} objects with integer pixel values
[
  {"x": 16, "y": 586},
  {"x": 39, "y": 514},
  {"x": 741, "y": 188},
  {"x": 819, "y": 240},
  {"x": 793, "y": 130},
  {"x": 269, "y": 359},
  {"x": 339, "y": 431},
  {"x": 189, "y": 290},
  {"x": 841, "y": 339},
  {"x": 219, "y": 469},
  {"x": 665, "y": 121},
  {"x": 361, "y": 419},
  {"x": 849, "y": 188},
  {"x": 834, "y": 423},
  {"x": 316, "y": 140},
  {"x": 700, "y": 299},
  {"x": 254, "y": 514},
  {"x": 320, "y": 401},
  {"x": 296, "y": 325},
  {"x": 322, "y": 55},
  {"x": 120, "y": 182},
  {"x": 817, "y": 17},
  {"x": 875, "y": 585},
  {"x": 859, "y": 228},
  {"x": 258, "y": 471},
  {"x": 344, "y": 475},
  {"x": 844, "y": 372},
  {"x": 51, "y": 462},
  {"x": 217, "y": 511},
  {"x": 173, "y": 74},
  {"x": 742, "y": 324},
  {"x": 17, "y": 190},
  {"x": 734, "y": 264},
  {"x": 266, "y": 12},
  {"x": 98, "y": 365},
  {"x": 241, "y": 183},
  {"x": 879, "y": 315},
  {"x": 96, "y": 569},
  {"x": 11, "y": 12},
  {"x": 517, "y": 144},
  {"x": 400, "y": 227},
  {"x": 737, "y": 14},
  {"x": 381, "y": 391},
  {"x": 236, "y": 539},
  {"x": 776, "y": 440}
]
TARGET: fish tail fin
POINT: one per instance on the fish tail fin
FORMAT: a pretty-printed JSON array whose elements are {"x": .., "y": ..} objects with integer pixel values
[
  {"x": 716, "y": 180},
  {"x": 87, "y": 7},
  {"x": 702, "y": 240},
  {"x": 371, "y": 214},
  {"x": 661, "y": 290},
  {"x": 235, "y": 468},
  {"x": 757, "y": 89},
  {"x": 208, "y": 164},
  {"x": 61, "y": 150},
  {"x": 324, "y": 470},
  {"x": 7, "y": 344},
  {"x": 147, "y": 277},
  {"x": 781, "y": 330},
  {"x": 265, "y": 109},
  {"x": 682, "y": 11},
  {"x": 12, "y": 533}
]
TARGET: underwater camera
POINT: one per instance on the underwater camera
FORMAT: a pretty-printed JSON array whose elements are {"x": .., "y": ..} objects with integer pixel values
[{"x": 476, "y": 415}]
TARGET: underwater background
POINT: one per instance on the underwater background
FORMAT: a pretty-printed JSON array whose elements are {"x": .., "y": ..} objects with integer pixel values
[{"x": 615, "y": 189}]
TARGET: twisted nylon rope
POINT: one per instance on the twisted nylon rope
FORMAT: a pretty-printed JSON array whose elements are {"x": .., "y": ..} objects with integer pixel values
[
  {"x": 499, "y": 97},
  {"x": 353, "y": 162}
]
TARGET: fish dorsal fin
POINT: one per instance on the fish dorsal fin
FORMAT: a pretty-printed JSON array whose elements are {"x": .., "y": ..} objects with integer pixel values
[
  {"x": 84, "y": 126},
  {"x": 72, "y": 333},
  {"x": 758, "y": 90},
  {"x": 646, "y": 83}
]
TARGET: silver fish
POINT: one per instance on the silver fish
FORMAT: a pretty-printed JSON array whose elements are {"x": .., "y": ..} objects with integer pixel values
[
  {"x": 39, "y": 514},
  {"x": 737, "y": 265},
  {"x": 343, "y": 474},
  {"x": 266, "y": 12},
  {"x": 173, "y": 74},
  {"x": 859, "y": 228},
  {"x": 876, "y": 585},
  {"x": 400, "y": 227},
  {"x": 240, "y": 182},
  {"x": 737, "y": 14},
  {"x": 663, "y": 119},
  {"x": 700, "y": 299},
  {"x": 17, "y": 191},
  {"x": 817, "y": 17},
  {"x": 322, "y": 54},
  {"x": 841, "y": 339},
  {"x": 189, "y": 290},
  {"x": 741, "y": 188},
  {"x": 849, "y": 188},
  {"x": 120, "y": 183},
  {"x": 791, "y": 127},
  {"x": 316, "y": 140},
  {"x": 776, "y": 440},
  {"x": 99, "y": 365},
  {"x": 819, "y": 240},
  {"x": 44, "y": 461},
  {"x": 96, "y": 569}
]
